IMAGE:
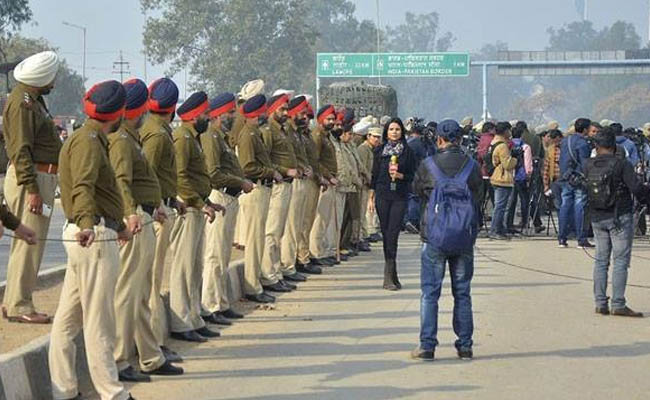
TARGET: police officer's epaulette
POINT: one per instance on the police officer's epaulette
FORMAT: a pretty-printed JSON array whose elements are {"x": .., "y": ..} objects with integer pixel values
[{"x": 27, "y": 101}]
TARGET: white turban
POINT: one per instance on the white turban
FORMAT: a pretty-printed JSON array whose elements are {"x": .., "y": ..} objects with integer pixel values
[
  {"x": 251, "y": 89},
  {"x": 308, "y": 97},
  {"x": 38, "y": 70},
  {"x": 289, "y": 93}
]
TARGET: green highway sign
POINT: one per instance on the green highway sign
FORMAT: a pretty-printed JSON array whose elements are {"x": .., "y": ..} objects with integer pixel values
[{"x": 391, "y": 65}]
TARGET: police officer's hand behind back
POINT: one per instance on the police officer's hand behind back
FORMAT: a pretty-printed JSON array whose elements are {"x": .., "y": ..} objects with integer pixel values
[
  {"x": 292, "y": 172},
  {"x": 85, "y": 237},
  {"x": 160, "y": 215},
  {"x": 308, "y": 172},
  {"x": 25, "y": 233},
  {"x": 35, "y": 203},
  {"x": 209, "y": 212},
  {"x": 134, "y": 224},
  {"x": 247, "y": 186},
  {"x": 277, "y": 176},
  {"x": 124, "y": 236},
  {"x": 181, "y": 207},
  {"x": 218, "y": 208}
]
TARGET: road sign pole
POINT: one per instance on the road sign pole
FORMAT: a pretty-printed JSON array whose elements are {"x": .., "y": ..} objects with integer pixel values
[
  {"x": 317, "y": 92},
  {"x": 485, "y": 92}
]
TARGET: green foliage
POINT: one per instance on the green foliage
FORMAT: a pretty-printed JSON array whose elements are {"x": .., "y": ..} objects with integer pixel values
[
  {"x": 66, "y": 97},
  {"x": 13, "y": 14}
]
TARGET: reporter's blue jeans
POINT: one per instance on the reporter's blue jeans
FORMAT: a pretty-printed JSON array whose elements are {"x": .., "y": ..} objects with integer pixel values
[
  {"x": 574, "y": 201},
  {"x": 461, "y": 270}
]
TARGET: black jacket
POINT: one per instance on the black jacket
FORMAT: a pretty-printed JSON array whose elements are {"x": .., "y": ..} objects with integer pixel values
[
  {"x": 626, "y": 183},
  {"x": 407, "y": 163},
  {"x": 450, "y": 160}
]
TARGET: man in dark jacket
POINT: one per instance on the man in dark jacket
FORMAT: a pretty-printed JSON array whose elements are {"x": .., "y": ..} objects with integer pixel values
[
  {"x": 613, "y": 225},
  {"x": 450, "y": 160}
]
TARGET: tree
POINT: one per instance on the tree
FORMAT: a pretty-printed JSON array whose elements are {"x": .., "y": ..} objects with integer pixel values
[
  {"x": 66, "y": 97},
  {"x": 581, "y": 36},
  {"x": 13, "y": 14},
  {"x": 418, "y": 33},
  {"x": 631, "y": 105},
  {"x": 227, "y": 42}
]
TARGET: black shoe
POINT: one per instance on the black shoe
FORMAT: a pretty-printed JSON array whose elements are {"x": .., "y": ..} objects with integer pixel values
[
  {"x": 171, "y": 355},
  {"x": 539, "y": 229},
  {"x": 260, "y": 298},
  {"x": 129, "y": 374},
  {"x": 325, "y": 262},
  {"x": 130, "y": 397},
  {"x": 219, "y": 319},
  {"x": 585, "y": 245},
  {"x": 343, "y": 258},
  {"x": 189, "y": 336},
  {"x": 422, "y": 355},
  {"x": 230, "y": 314},
  {"x": 363, "y": 246},
  {"x": 309, "y": 269},
  {"x": 376, "y": 237},
  {"x": 276, "y": 287},
  {"x": 602, "y": 310},
  {"x": 626, "y": 312},
  {"x": 167, "y": 369},
  {"x": 288, "y": 285},
  {"x": 296, "y": 277},
  {"x": 465, "y": 353},
  {"x": 563, "y": 244},
  {"x": 77, "y": 397},
  {"x": 205, "y": 332}
]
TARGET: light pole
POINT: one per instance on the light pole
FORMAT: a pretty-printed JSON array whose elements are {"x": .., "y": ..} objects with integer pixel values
[{"x": 83, "y": 62}]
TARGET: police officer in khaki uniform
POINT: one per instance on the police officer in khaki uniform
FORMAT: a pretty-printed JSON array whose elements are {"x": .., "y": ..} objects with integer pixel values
[
  {"x": 366, "y": 149},
  {"x": 312, "y": 190},
  {"x": 188, "y": 232},
  {"x": 158, "y": 147},
  {"x": 326, "y": 155},
  {"x": 284, "y": 161},
  {"x": 94, "y": 211},
  {"x": 296, "y": 216},
  {"x": 228, "y": 182},
  {"x": 33, "y": 147},
  {"x": 140, "y": 192},
  {"x": 257, "y": 166}
]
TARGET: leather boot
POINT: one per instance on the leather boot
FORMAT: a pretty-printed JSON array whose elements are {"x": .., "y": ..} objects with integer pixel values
[
  {"x": 394, "y": 274},
  {"x": 389, "y": 266}
]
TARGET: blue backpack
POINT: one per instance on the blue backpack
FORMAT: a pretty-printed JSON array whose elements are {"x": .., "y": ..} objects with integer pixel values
[{"x": 452, "y": 218}]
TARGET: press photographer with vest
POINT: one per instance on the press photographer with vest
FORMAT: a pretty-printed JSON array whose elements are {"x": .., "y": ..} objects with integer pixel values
[
  {"x": 449, "y": 186},
  {"x": 610, "y": 182}
]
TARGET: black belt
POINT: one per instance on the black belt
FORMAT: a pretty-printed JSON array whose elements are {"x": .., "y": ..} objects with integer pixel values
[
  {"x": 288, "y": 179},
  {"x": 170, "y": 202},
  {"x": 148, "y": 209},
  {"x": 232, "y": 191},
  {"x": 265, "y": 182},
  {"x": 110, "y": 223}
]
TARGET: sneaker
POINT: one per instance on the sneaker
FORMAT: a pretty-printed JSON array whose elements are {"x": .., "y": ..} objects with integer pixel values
[
  {"x": 499, "y": 236},
  {"x": 563, "y": 244},
  {"x": 626, "y": 312},
  {"x": 422, "y": 355},
  {"x": 465, "y": 353},
  {"x": 602, "y": 310},
  {"x": 585, "y": 245}
]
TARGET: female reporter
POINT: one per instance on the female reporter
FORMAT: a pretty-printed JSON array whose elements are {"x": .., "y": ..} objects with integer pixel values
[{"x": 392, "y": 173}]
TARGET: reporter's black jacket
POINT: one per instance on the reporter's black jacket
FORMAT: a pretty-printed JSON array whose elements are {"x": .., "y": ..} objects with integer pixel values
[
  {"x": 450, "y": 160},
  {"x": 407, "y": 163}
]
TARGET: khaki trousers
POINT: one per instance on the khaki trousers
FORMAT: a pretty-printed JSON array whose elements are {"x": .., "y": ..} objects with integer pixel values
[
  {"x": 333, "y": 237},
  {"x": 240, "y": 232},
  {"x": 187, "y": 266},
  {"x": 218, "y": 249},
  {"x": 293, "y": 227},
  {"x": 132, "y": 310},
  {"x": 312, "y": 191},
  {"x": 156, "y": 304},
  {"x": 86, "y": 304},
  {"x": 365, "y": 195},
  {"x": 25, "y": 260},
  {"x": 319, "y": 242},
  {"x": 275, "y": 223},
  {"x": 255, "y": 207}
]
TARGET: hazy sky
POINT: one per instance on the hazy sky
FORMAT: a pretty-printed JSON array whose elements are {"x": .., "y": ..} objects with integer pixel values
[{"x": 117, "y": 25}]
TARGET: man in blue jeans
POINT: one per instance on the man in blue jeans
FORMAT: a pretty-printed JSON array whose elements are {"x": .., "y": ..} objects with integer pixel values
[
  {"x": 451, "y": 161},
  {"x": 611, "y": 214},
  {"x": 574, "y": 151}
]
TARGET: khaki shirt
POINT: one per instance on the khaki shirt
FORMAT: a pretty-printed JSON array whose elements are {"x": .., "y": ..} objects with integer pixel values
[
  {"x": 310, "y": 152},
  {"x": 279, "y": 146},
  {"x": 325, "y": 153},
  {"x": 345, "y": 172},
  {"x": 135, "y": 178},
  {"x": 4, "y": 159},
  {"x": 158, "y": 146},
  {"x": 87, "y": 179},
  {"x": 298, "y": 145},
  {"x": 220, "y": 160},
  {"x": 363, "y": 173},
  {"x": 237, "y": 126},
  {"x": 30, "y": 134},
  {"x": 193, "y": 180},
  {"x": 366, "y": 155},
  {"x": 254, "y": 157}
]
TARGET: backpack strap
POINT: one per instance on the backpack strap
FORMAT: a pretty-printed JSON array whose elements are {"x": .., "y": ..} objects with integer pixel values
[
  {"x": 437, "y": 173},
  {"x": 463, "y": 176}
]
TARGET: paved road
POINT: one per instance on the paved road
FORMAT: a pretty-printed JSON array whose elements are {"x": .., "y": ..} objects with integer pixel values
[
  {"x": 341, "y": 337},
  {"x": 54, "y": 251}
]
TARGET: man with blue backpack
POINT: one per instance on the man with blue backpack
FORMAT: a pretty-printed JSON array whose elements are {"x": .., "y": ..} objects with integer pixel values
[
  {"x": 523, "y": 172},
  {"x": 448, "y": 185}
]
